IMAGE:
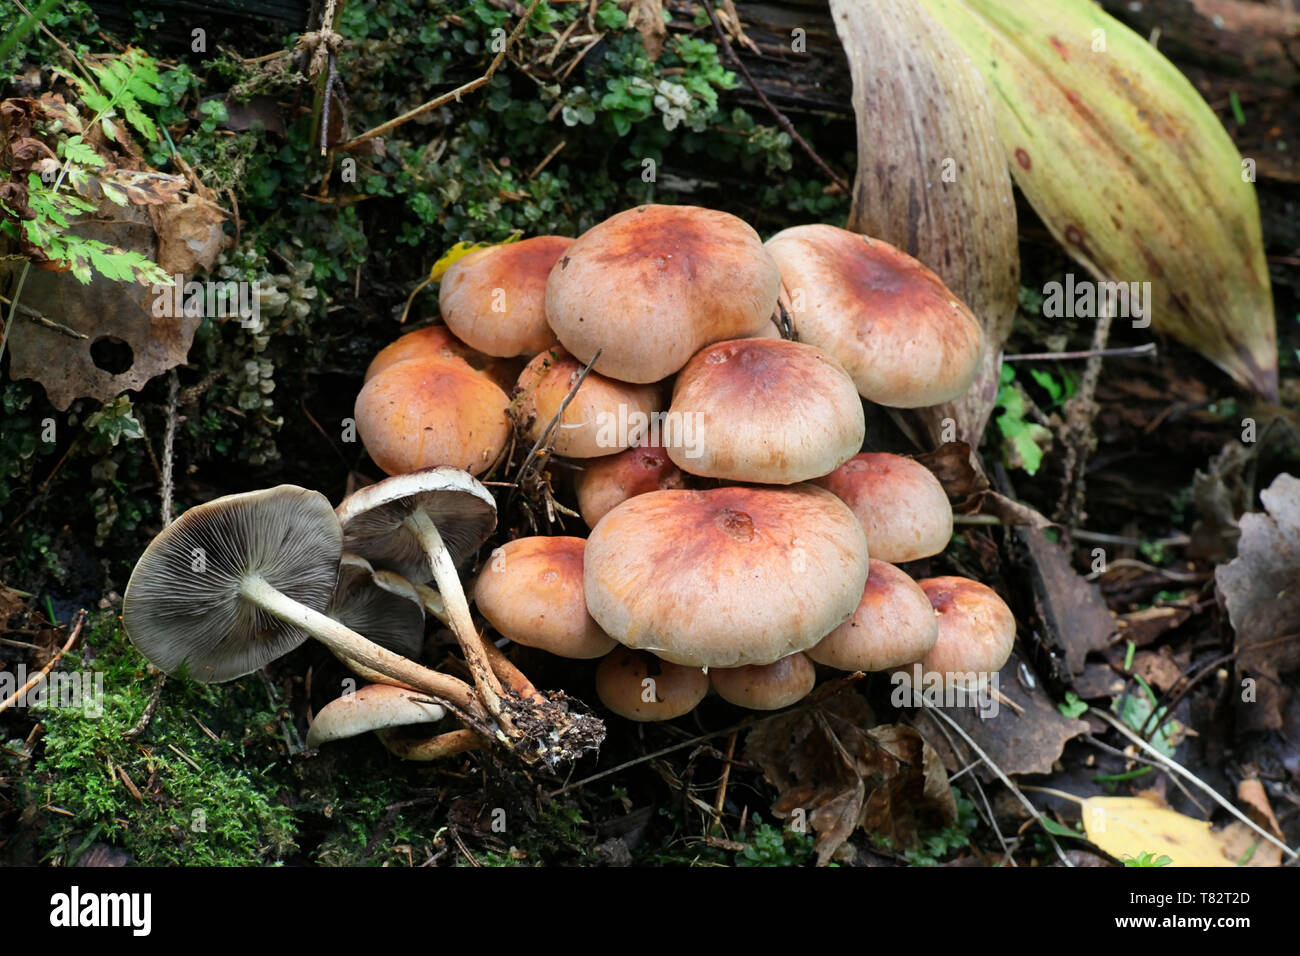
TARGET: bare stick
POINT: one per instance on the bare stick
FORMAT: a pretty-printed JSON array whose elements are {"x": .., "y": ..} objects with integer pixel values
[
  {"x": 455, "y": 94},
  {"x": 40, "y": 675},
  {"x": 1133, "y": 352}
]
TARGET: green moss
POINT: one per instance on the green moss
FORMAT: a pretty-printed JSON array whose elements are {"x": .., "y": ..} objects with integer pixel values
[{"x": 203, "y": 801}]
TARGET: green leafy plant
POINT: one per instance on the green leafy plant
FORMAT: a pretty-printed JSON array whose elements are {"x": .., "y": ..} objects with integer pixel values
[
  {"x": 1073, "y": 706},
  {"x": 39, "y": 217},
  {"x": 1135, "y": 709},
  {"x": 767, "y": 845},
  {"x": 1022, "y": 440},
  {"x": 931, "y": 849},
  {"x": 1147, "y": 859}
]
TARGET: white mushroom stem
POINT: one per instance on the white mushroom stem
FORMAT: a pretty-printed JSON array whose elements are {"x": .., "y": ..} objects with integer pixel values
[
  {"x": 501, "y": 665},
  {"x": 344, "y": 641},
  {"x": 457, "y": 611}
]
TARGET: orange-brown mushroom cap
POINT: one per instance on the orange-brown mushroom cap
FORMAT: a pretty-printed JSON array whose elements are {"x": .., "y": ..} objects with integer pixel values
[
  {"x": 436, "y": 341},
  {"x": 652, "y": 285},
  {"x": 763, "y": 410},
  {"x": 901, "y": 504},
  {"x": 894, "y": 624},
  {"x": 428, "y": 412},
  {"x": 494, "y": 299},
  {"x": 906, "y": 340},
  {"x": 604, "y": 483},
  {"x": 590, "y": 426},
  {"x": 725, "y": 577},
  {"x": 639, "y": 686},
  {"x": 766, "y": 686},
  {"x": 532, "y": 592},
  {"x": 977, "y": 632}
]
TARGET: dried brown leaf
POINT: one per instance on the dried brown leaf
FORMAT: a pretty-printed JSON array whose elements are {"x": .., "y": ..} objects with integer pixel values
[
  {"x": 843, "y": 773},
  {"x": 1261, "y": 587},
  {"x": 100, "y": 310}
]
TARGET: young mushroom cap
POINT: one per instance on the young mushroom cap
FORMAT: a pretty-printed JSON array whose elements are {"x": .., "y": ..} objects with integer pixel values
[
  {"x": 435, "y": 341},
  {"x": 379, "y": 604},
  {"x": 639, "y": 686},
  {"x": 901, "y": 504},
  {"x": 976, "y": 632},
  {"x": 766, "y": 686},
  {"x": 894, "y": 624},
  {"x": 589, "y": 427},
  {"x": 495, "y": 298},
  {"x": 906, "y": 340},
  {"x": 373, "y": 707},
  {"x": 185, "y": 607},
  {"x": 531, "y": 592},
  {"x": 725, "y": 577},
  {"x": 604, "y": 483},
  {"x": 427, "y": 412},
  {"x": 764, "y": 410},
  {"x": 652, "y": 285}
]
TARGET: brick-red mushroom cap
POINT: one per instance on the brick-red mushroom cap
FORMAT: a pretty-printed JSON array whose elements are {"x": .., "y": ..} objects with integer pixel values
[
  {"x": 494, "y": 299},
  {"x": 639, "y": 686},
  {"x": 725, "y": 577},
  {"x": 763, "y": 410},
  {"x": 599, "y": 420},
  {"x": 894, "y": 624},
  {"x": 605, "y": 483},
  {"x": 766, "y": 686},
  {"x": 977, "y": 632},
  {"x": 652, "y": 285},
  {"x": 903, "y": 336},
  {"x": 901, "y": 504},
  {"x": 532, "y": 592}
]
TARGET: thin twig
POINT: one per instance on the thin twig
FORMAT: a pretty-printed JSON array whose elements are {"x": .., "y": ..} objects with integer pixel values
[
  {"x": 169, "y": 445},
  {"x": 155, "y": 696},
  {"x": 455, "y": 94},
  {"x": 781, "y": 119},
  {"x": 49, "y": 666},
  {"x": 546, "y": 159},
  {"x": 1130, "y": 352}
]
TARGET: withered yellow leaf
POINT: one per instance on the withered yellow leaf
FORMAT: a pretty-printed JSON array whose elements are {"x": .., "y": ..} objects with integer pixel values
[{"x": 1127, "y": 827}]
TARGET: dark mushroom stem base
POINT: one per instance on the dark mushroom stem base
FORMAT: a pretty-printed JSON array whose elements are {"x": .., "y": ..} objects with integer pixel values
[
  {"x": 555, "y": 731},
  {"x": 351, "y": 645}
]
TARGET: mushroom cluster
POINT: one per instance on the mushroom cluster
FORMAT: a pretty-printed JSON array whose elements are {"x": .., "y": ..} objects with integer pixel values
[{"x": 710, "y": 394}]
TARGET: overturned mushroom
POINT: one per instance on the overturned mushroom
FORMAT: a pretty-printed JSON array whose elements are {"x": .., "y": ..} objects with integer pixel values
[
  {"x": 423, "y": 525},
  {"x": 239, "y": 581},
  {"x": 373, "y": 707},
  {"x": 382, "y": 605}
]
